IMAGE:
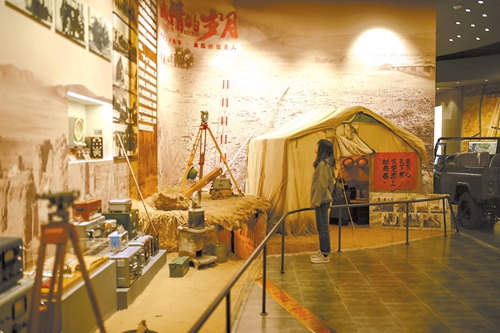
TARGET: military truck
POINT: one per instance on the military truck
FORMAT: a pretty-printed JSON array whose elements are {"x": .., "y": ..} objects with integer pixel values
[{"x": 468, "y": 170}]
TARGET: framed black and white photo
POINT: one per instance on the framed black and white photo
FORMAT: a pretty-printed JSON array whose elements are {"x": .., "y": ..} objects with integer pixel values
[
  {"x": 42, "y": 10},
  {"x": 121, "y": 40},
  {"x": 70, "y": 19},
  {"x": 100, "y": 34},
  {"x": 121, "y": 74}
]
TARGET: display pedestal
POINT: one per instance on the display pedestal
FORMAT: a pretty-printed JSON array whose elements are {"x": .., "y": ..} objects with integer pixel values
[
  {"x": 126, "y": 296},
  {"x": 76, "y": 311}
]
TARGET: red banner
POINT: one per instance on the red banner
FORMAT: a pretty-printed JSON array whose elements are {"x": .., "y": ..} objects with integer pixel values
[{"x": 395, "y": 171}]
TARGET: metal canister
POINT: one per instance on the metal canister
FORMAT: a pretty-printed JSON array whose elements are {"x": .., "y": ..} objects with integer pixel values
[{"x": 196, "y": 215}]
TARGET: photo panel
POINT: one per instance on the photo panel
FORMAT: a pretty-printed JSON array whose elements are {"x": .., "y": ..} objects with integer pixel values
[
  {"x": 100, "y": 34},
  {"x": 121, "y": 71},
  {"x": 41, "y": 10},
  {"x": 121, "y": 39},
  {"x": 70, "y": 20},
  {"x": 121, "y": 105}
]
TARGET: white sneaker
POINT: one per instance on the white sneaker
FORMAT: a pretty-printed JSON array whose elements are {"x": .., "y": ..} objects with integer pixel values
[{"x": 319, "y": 258}]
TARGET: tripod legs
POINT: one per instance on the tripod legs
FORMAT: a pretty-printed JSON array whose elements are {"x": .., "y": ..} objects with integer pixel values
[{"x": 47, "y": 317}]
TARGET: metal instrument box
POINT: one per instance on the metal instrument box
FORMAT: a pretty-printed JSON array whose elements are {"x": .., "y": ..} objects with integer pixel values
[
  {"x": 11, "y": 261},
  {"x": 146, "y": 249},
  {"x": 118, "y": 240},
  {"x": 179, "y": 266},
  {"x": 129, "y": 220},
  {"x": 89, "y": 230},
  {"x": 120, "y": 205},
  {"x": 128, "y": 265},
  {"x": 15, "y": 307},
  {"x": 86, "y": 210}
]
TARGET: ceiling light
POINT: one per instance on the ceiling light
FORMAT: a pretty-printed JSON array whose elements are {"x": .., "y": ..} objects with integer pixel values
[
  {"x": 486, "y": 80},
  {"x": 486, "y": 29},
  {"x": 467, "y": 9},
  {"x": 458, "y": 22},
  {"x": 459, "y": 36},
  {"x": 485, "y": 15},
  {"x": 477, "y": 38},
  {"x": 473, "y": 25},
  {"x": 457, "y": 6},
  {"x": 458, "y": 82},
  {"x": 451, "y": 39},
  {"x": 480, "y": 2}
]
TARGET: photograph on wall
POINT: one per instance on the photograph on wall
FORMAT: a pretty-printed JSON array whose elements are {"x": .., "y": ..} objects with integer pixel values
[
  {"x": 41, "y": 10},
  {"x": 121, "y": 76},
  {"x": 436, "y": 206},
  {"x": 432, "y": 220},
  {"x": 100, "y": 34},
  {"x": 121, "y": 41},
  {"x": 383, "y": 206},
  {"x": 70, "y": 19},
  {"x": 422, "y": 207},
  {"x": 127, "y": 10},
  {"x": 121, "y": 102},
  {"x": 129, "y": 136}
]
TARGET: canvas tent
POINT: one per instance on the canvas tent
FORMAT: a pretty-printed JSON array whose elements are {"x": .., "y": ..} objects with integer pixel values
[{"x": 280, "y": 167}]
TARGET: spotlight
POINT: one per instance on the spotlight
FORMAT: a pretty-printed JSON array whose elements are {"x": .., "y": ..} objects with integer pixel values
[{"x": 457, "y": 6}]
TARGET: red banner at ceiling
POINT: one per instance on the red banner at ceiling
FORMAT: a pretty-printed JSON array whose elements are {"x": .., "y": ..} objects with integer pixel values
[{"x": 395, "y": 171}]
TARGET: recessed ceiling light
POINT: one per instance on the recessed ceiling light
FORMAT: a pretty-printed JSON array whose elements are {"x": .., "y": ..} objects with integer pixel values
[
  {"x": 473, "y": 25},
  {"x": 477, "y": 38},
  {"x": 486, "y": 80},
  {"x": 480, "y": 2},
  {"x": 486, "y": 29},
  {"x": 458, "y": 82},
  {"x": 467, "y": 10},
  {"x": 485, "y": 15},
  {"x": 458, "y": 22},
  {"x": 457, "y": 6},
  {"x": 451, "y": 39},
  {"x": 459, "y": 36}
]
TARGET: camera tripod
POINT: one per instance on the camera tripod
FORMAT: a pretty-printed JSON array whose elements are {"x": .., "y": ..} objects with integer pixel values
[
  {"x": 201, "y": 142},
  {"x": 47, "y": 317}
]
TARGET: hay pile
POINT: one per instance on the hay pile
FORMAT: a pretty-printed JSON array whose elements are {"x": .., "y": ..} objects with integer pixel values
[{"x": 229, "y": 213}]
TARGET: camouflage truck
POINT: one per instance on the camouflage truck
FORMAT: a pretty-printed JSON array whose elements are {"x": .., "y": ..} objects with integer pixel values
[{"x": 468, "y": 170}]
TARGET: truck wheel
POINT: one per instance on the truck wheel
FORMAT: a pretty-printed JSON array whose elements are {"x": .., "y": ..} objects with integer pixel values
[{"x": 469, "y": 212}]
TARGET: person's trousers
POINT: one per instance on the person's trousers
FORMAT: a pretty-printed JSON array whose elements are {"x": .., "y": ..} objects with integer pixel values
[{"x": 322, "y": 221}]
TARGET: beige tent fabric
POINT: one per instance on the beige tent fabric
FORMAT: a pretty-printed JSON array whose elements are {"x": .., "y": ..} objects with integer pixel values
[{"x": 280, "y": 166}]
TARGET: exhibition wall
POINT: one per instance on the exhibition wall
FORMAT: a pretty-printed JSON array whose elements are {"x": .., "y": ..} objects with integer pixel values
[{"x": 253, "y": 65}]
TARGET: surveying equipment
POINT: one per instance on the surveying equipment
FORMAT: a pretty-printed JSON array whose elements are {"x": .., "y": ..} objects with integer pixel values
[
  {"x": 201, "y": 142},
  {"x": 46, "y": 317}
]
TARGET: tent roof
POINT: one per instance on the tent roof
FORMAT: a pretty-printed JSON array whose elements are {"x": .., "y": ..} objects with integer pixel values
[{"x": 319, "y": 120}]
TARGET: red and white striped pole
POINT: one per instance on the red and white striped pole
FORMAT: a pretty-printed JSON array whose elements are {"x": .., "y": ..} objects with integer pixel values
[{"x": 224, "y": 119}]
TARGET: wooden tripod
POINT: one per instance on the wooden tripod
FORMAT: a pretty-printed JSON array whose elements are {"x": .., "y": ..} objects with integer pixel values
[
  {"x": 201, "y": 142},
  {"x": 47, "y": 317}
]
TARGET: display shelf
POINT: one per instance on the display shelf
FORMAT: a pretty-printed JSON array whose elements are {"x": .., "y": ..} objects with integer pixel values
[
  {"x": 76, "y": 300},
  {"x": 126, "y": 296},
  {"x": 90, "y": 126}
]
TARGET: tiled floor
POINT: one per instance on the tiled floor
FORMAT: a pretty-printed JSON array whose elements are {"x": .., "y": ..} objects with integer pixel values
[{"x": 433, "y": 285}]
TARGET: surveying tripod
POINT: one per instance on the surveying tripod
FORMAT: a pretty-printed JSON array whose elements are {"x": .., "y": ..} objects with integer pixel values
[
  {"x": 201, "y": 142},
  {"x": 47, "y": 317}
]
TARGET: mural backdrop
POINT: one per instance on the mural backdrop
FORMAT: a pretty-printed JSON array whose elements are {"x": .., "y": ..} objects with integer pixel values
[{"x": 256, "y": 66}]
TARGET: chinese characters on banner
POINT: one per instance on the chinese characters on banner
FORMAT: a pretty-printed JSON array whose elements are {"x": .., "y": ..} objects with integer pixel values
[
  {"x": 395, "y": 171},
  {"x": 200, "y": 26},
  {"x": 147, "y": 66}
]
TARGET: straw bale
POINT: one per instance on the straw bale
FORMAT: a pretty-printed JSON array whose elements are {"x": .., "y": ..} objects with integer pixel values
[{"x": 230, "y": 213}]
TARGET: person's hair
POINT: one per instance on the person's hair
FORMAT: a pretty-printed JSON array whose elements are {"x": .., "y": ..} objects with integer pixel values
[{"x": 325, "y": 150}]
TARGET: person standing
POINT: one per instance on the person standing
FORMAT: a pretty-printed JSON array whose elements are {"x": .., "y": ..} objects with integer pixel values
[{"x": 321, "y": 197}]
